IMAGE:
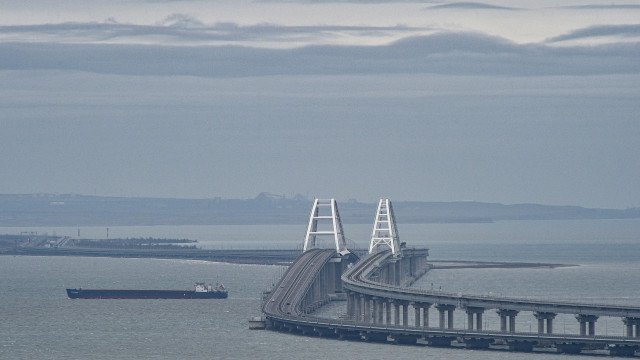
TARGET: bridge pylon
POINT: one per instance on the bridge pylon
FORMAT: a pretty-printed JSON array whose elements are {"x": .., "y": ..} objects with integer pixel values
[
  {"x": 385, "y": 231},
  {"x": 325, "y": 212}
]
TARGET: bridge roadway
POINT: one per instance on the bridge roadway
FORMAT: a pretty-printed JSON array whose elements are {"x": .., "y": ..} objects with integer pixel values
[
  {"x": 285, "y": 300},
  {"x": 357, "y": 279},
  {"x": 283, "y": 309}
]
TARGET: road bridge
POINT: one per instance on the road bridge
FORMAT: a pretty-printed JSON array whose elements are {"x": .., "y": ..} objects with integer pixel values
[{"x": 379, "y": 302}]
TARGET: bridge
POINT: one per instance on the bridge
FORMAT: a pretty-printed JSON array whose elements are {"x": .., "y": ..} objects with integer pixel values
[{"x": 379, "y": 299}]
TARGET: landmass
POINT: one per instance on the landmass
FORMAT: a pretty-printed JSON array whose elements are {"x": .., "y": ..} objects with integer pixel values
[{"x": 83, "y": 210}]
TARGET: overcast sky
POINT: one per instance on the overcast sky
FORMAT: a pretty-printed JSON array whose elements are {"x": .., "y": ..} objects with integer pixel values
[{"x": 498, "y": 101}]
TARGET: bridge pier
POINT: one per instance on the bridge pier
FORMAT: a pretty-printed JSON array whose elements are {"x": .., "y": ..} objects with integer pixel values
[
  {"x": 471, "y": 311},
  {"x": 378, "y": 310},
  {"x": 396, "y": 313},
  {"x": 358, "y": 305},
  {"x": 448, "y": 309},
  {"x": 425, "y": 315},
  {"x": 367, "y": 308},
  {"x": 631, "y": 323},
  {"x": 405, "y": 314},
  {"x": 416, "y": 314},
  {"x": 374, "y": 309},
  {"x": 387, "y": 305},
  {"x": 507, "y": 317},
  {"x": 542, "y": 317},
  {"x": 587, "y": 321},
  {"x": 351, "y": 304}
]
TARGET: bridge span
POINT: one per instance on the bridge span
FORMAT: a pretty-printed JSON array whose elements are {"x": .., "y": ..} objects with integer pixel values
[{"x": 379, "y": 302}]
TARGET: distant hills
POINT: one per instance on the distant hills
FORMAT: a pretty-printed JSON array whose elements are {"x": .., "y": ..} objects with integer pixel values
[{"x": 83, "y": 210}]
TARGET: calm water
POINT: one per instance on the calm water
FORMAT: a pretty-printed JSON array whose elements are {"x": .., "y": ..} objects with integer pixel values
[{"x": 37, "y": 321}]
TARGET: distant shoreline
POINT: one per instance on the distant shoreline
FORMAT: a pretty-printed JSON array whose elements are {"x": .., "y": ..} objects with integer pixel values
[
  {"x": 25, "y": 210},
  {"x": 257, "y": 257}
]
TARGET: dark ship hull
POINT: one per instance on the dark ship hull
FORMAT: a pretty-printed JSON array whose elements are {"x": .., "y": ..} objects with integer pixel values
[{"x": 145, "y": 294}]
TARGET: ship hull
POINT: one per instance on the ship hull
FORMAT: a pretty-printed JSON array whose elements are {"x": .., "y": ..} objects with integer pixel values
[{"x": 144, "y": 294}]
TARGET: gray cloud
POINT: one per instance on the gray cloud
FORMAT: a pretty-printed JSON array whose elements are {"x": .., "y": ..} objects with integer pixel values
[
  {"x": 603, "y": 6},
  {"x": 184, "y": 28},
  {"x": 444, "y": 53},
  {"x": 470, "y": 6},
  {"x": 601, "y": 30},
  {"x": 340, "y": 1}
]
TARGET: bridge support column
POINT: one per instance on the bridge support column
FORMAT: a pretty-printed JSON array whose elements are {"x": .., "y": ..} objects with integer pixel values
[
  {"x": 405, "y": 314},
  {"x": 396, "y": 313},
  {"x": 450, "y": 319},
  {"x": 425, "y": 315},
  {"x": 442, "y": 308},
  {"x": 542, "y": 317},
  {"x": 587, "y": 322},
  {"x": 356, "y": 307},
  {"x": 387, "y": 305},
  {"x": 507, "y": 320},
  {"x": 632, "y": 323},
  {"x": 361, "y": 308},
  {"x": 350, "y": 306},
  {"x": 471, "y": 311},
  {"x": 374, "y": 310},
  {"x": 378, "y": 310},
  {"x": 398, "y": 272},
  {"x": 367, "y": 308}
]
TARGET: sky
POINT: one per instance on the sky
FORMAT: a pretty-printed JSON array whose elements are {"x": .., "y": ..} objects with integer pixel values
[{"x": 494, "y": 101}]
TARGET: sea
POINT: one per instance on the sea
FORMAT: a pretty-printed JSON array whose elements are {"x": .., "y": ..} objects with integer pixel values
[{"x": 38, "y": 321}]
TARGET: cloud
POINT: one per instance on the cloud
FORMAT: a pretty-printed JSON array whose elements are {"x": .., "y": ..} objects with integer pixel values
[
  {"x": 181, "y": 20},
  {"x": 184, "y": 29},
  {"x": 631, "y": 30},
  {"x": 603, "y": 6},
  {"x": 444, "y": 53},
  {"x": 470, "y": 6},
  {"x": 341, "y": 1}
]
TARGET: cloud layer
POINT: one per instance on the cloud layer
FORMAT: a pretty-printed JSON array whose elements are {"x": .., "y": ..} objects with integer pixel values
[
  {"x": 470, "y": 6},
  {"x": 621, "y": 31},
  {"x": 184, "y": 29},
  {"x": 442, "y": 53}
]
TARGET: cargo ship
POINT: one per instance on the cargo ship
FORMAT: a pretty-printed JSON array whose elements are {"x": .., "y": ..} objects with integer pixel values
[{"x": 201, "y": 291}]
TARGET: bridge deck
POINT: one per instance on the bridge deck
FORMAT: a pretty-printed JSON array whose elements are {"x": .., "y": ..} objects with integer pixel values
[
  {"x": 357, "y": 280},
  {"x": 284, "y": 311}
]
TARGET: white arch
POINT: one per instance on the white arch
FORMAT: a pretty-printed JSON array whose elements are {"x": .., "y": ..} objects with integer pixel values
[
  {"x": 325, "y": 210},
  {"x": 385, "y": 231}
]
